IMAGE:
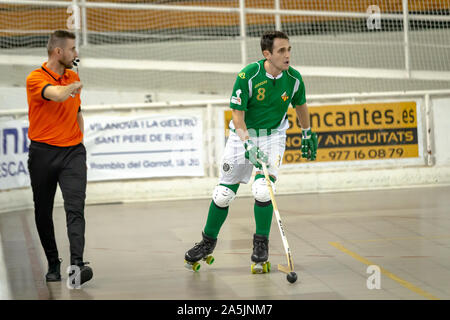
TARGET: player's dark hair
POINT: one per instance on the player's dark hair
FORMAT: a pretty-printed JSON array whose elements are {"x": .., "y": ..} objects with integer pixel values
[
  {"x": 58, "y": 39},
  {"x": 268, "y": 37}
]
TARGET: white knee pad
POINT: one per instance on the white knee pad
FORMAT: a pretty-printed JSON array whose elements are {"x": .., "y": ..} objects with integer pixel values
[
  {"x": 261, "y": 191},
  {"x": 223, "y": 196}
]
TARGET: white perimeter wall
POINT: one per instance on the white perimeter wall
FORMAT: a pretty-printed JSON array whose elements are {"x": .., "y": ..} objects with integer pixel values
[
  {"x": 304, "y": 179},
  {"x": 441, "y": 130}
]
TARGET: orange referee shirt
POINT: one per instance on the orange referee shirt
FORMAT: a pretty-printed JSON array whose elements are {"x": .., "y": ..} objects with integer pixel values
[{"x": 51, "y": 122}]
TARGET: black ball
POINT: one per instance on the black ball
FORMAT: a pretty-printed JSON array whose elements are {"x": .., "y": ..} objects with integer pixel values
[{"x": 292, "y": 277}]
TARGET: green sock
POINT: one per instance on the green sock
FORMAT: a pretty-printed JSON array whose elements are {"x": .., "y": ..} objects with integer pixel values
[
  {"x": 217, "y": 216},
  {"x": 263, "y": 219},
  {"x": 263, "y": 214}
]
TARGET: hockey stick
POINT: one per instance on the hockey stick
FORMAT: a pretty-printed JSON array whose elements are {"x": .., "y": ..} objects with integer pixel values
[{"x": 289, "y": 269}]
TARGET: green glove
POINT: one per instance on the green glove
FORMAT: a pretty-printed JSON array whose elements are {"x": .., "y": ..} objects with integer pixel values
[
  {"x": 309, "y": 144},
  {"x": 254, "y": 154}
]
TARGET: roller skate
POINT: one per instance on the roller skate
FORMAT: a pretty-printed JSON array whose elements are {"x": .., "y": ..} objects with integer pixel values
[
  {"x": 260, "y": 254},
  {"x": 201, "y": 251}
]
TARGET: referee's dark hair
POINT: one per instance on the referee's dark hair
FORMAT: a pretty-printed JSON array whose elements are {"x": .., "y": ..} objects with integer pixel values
[
  {"x": 268, "y": 37},
  {"x": 58, "y": 39}
]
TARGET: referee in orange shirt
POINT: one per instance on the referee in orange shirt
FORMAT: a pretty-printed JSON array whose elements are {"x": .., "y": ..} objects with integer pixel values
[{"x": 57, "y": 154}]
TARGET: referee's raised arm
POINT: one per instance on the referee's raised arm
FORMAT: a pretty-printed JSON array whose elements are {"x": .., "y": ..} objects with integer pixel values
[{"x": 61, "y": 93}]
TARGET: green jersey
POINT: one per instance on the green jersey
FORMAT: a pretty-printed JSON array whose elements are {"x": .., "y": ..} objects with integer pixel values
[{"x": 265, "y": 99}]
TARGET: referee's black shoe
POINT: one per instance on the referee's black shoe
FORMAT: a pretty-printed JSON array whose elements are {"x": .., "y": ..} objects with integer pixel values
[
  {"x": 80, "y": 273},
  {"x": 54, "y": 271}
]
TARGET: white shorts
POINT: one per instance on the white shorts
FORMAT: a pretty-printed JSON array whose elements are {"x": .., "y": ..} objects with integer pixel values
[{"x": 235, "y": 168}]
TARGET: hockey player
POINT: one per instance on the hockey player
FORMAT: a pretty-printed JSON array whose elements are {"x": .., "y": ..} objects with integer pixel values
[{"x": 261, "y": 96}]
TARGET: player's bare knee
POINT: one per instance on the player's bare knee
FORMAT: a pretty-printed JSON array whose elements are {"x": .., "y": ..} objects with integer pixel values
[
  {"x": 223, "y": 196},
  {"x": 261, "y": 191}
]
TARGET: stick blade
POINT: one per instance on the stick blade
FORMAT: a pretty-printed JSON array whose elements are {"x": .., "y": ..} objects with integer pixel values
[{"x": 284, "y": 268}]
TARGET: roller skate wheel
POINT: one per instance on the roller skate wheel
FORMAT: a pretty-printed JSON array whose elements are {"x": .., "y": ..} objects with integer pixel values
[
  {"x": 192, "y": 266},
  {"x": 196, "y": 266},
  {"x": 209, "y": 260},
  {"x": 187, "y": 265},
  {"x": 257, "y": 268},
  {"x": 266, "y": 267}
]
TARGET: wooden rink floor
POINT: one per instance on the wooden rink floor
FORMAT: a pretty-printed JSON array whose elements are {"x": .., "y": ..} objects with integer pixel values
[{"x": 137, "y": 250}]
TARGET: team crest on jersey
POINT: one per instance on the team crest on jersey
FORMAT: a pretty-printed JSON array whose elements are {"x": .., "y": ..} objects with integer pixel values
[
  {"x": 242, "y": 75},
  {"x": 284, "y": 96}
]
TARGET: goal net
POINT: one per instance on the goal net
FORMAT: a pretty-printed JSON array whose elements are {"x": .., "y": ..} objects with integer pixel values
[{"x": 199, "y": 46}]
